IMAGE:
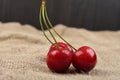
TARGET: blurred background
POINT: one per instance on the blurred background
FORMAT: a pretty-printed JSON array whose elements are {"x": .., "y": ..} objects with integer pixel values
[{"x": 89, "y": 14}]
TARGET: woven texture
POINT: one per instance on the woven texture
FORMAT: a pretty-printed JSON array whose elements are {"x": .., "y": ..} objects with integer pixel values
[{"x": 23, "y": 51}]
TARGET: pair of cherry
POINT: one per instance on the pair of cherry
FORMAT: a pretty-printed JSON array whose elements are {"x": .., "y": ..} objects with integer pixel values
[
  {"x": 61, "y": 55},
  {"x": 59, "y": 58}
]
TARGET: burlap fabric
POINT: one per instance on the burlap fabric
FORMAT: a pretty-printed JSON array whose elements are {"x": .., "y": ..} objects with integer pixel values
[{"x": 23, "y": 50}]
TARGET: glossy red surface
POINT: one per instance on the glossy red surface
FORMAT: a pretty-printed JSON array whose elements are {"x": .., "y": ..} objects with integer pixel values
[
  {"x": 84, "y": 59},
  {"x": 59, "y": 59}
]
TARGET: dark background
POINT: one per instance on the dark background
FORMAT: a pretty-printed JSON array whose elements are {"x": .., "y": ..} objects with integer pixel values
[{"x": 89, "y": 14}]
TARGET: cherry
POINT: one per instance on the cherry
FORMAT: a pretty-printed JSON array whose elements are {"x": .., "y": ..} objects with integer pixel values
[
  {"x": 84, "y": 59},
  {"x": 59, "y": 59}
]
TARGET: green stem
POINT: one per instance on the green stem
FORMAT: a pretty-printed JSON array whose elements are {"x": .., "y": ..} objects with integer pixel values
[
  {"x": 46, "y": 16},
  {"x": 40, "y": 19},
  {"x": 44, "y": 19}
]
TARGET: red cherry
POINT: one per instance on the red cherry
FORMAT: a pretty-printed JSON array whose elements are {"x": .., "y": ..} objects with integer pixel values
[
  {"x": 59, "y": 59},
  {"x": 84, "y": 59}
]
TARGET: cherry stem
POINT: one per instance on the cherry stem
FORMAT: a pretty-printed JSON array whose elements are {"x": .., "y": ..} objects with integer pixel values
[
  {"x": 43, "y": 16},
  {"x": 40, "y": 19},
  {"x": 46, "y": 16},
  {"x": 43, "y": 13}
]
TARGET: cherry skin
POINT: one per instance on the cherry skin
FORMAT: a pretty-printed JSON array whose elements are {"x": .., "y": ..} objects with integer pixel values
[
  {"x": 59, "y": 59},
  {"x": 84, "y": 59}
]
